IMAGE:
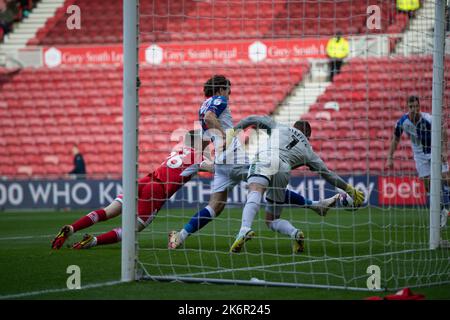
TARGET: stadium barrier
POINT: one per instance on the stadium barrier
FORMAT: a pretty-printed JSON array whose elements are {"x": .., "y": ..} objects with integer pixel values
[
  {"x": 255, "y": 50},
  {"x": 78, "y": 194}
]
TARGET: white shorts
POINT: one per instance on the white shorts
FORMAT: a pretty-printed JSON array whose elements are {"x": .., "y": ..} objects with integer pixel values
[
  {"x": 226, "y": 176},
  {"x": 276, "y": 172},
  {"x": 423, "y": 167}
]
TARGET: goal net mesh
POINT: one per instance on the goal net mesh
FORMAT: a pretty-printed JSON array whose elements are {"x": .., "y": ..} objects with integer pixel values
[{"x": 274, "y": 53}]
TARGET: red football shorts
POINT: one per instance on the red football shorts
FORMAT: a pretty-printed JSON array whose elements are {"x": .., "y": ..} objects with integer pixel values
[{"x": 151, "y": 197}]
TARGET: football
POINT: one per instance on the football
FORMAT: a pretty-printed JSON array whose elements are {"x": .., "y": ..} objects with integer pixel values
[{"x": 345, "y": 201}]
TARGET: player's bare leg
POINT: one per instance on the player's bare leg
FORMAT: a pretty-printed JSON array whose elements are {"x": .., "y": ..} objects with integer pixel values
[
  {"x": 112, "y": 210},
  {"x": 199, "y": 220}
]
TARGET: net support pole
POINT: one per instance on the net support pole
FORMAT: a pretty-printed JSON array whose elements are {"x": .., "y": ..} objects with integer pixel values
[
  {"x": 436, "y": 125},
  {"x": 130, "y": 113}
]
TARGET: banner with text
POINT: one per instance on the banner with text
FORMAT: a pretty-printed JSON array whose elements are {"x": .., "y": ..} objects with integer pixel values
[
  {"x": 409, "y": 191},
  {"x": 75, "y": 194},
  {"x": 177, "y": 53},
  {"x": 58, "y": 194}
]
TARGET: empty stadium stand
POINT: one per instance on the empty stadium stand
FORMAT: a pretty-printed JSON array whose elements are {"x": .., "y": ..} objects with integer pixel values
[
  {"x": 371, "y": 96},
  {"x": 44, "y": 111},
  {"x": 190, "y": 20}
]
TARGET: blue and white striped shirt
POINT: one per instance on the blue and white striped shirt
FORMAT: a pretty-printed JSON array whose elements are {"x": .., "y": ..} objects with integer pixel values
[{"x": 420, "y": 133}]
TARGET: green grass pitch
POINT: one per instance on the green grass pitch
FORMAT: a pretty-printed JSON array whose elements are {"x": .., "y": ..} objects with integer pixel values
[{"x": 394, "y": 239}]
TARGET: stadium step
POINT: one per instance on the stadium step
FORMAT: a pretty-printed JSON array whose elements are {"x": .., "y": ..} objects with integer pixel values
[
  {"x": 26, "y": 30},
  {"x": 297, "y": 104},
  {"x": 299, "y": 101},
  {"x": 418, "y": 39}
]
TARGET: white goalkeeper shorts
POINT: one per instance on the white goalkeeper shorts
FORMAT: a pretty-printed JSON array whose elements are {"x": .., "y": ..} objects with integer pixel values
[
  {"x": 277, "y": 173},
  {"x": 423, "y": 166},
  {"x": 226, "y": 176}
]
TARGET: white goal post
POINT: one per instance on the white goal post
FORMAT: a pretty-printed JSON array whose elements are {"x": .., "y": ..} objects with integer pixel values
[
  {"x": 130, "y": 138},
  {"x": 436, "y": 137}
]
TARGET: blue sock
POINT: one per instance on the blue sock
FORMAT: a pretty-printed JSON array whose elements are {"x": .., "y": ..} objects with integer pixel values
[
  {"x": 445, "y": 195},
  {"x": 294, "y": 198},
  {"x": 199, "y": 220}
]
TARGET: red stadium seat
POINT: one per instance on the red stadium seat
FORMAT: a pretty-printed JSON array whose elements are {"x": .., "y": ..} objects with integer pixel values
[
  {"x": 83, "y": 105},
  {"x": 238, "y": 20}
]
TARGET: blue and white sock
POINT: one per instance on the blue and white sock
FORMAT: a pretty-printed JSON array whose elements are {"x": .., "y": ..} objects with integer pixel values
[
  {"x": 292, "y": 197},
  {"x": 283, "y": 227},
  {"x": 198, "y": 221}
]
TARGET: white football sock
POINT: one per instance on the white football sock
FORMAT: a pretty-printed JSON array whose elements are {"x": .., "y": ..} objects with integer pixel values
[
  {"x": 283, "y": 227},
  {"x": 251, "y": 208},
  {"x": 183, "y": 235}
]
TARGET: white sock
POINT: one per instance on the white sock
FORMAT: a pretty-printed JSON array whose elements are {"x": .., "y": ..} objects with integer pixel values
[
  {"x": 212, "y": 213},
  {"x": 250, "y": 210},
  {"x": 183, "y": 235},
  {"x": 313, "y": 204},
  {"x": 283, "y": 227}
]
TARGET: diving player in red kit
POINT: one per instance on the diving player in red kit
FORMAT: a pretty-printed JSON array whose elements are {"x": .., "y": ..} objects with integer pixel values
[{"x": 153, "y": 191}]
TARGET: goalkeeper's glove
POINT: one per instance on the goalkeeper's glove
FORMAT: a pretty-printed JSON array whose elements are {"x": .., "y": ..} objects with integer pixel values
[{"x": 357, "y": 196}]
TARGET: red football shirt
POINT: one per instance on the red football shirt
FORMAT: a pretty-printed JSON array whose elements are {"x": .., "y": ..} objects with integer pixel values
[{"x": 169, "y": 172}]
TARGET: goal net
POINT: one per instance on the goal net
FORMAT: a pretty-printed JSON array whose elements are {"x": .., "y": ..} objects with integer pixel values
[{"x": 275, "y": 54}]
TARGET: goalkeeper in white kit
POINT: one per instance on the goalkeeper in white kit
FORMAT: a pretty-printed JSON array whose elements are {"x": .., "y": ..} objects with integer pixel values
[
  {"x": 287, "y": 148},
  {"x": 230, "y": 162}
]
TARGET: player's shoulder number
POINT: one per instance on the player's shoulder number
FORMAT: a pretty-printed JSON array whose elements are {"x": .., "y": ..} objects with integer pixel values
[
  {"x": 217, "y": 102},
  {"x": 175, "y": 160}
]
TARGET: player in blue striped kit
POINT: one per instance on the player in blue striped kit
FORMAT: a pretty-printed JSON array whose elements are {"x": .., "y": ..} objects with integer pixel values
[
  {"x": 417, "y": 125},
  {"x": 231, "y": 163}
]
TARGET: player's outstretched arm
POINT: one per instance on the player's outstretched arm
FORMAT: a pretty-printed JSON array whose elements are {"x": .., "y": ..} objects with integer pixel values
[
  {"x": 390, "y": 159},
  {"x": 357, "y": 196},
  {"x": 317, "y": 164},
  {"x": 260, "y": 122}
]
